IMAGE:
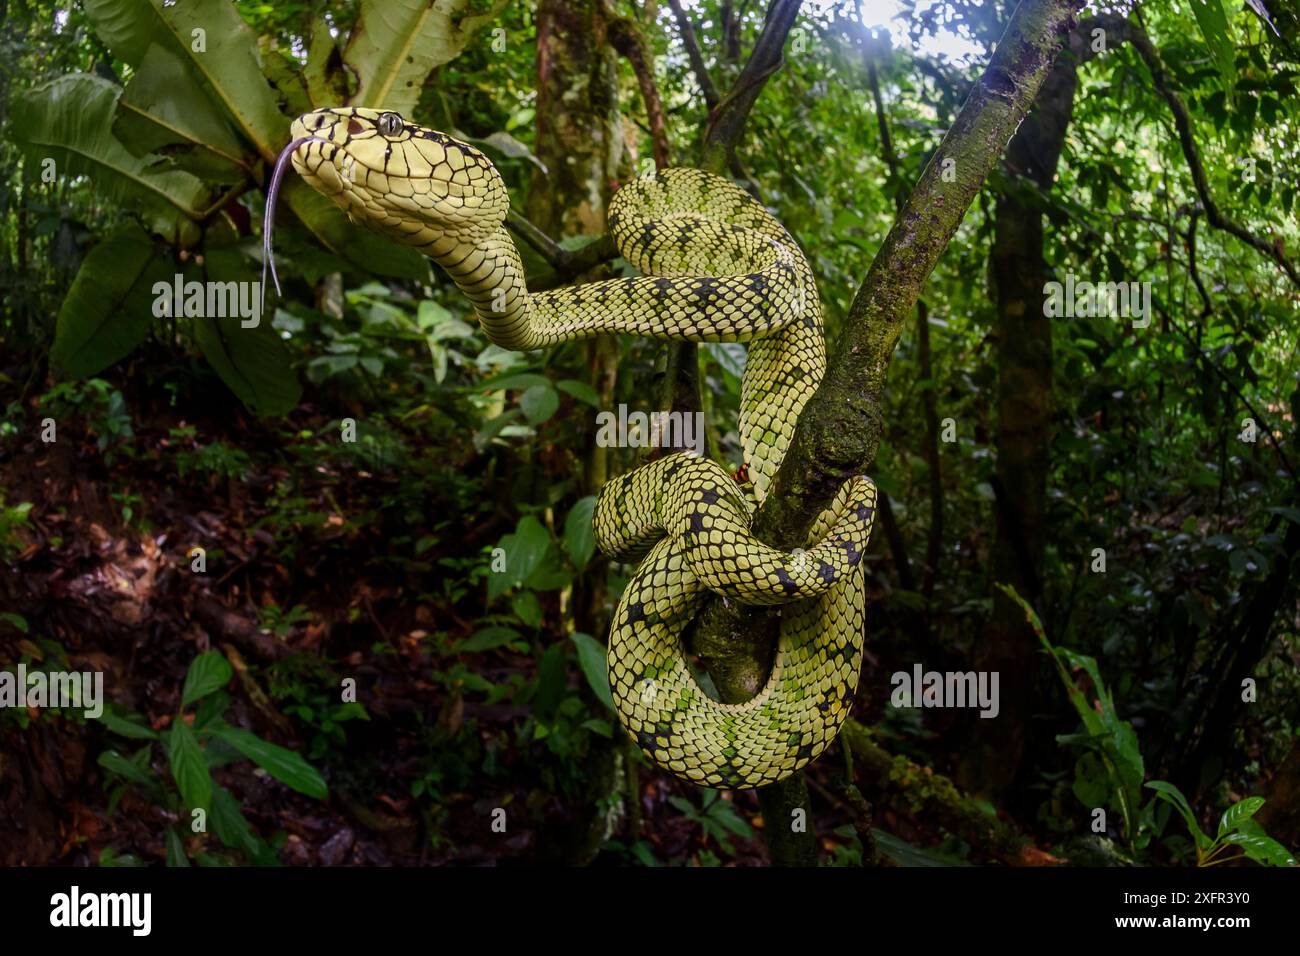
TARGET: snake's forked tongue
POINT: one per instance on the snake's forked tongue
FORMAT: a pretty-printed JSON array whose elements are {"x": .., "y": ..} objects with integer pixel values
[{"x": 268, "y": 219}]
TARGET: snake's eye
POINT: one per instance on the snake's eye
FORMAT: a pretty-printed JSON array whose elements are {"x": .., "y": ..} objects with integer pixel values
[{"x": 389, "y": 124}]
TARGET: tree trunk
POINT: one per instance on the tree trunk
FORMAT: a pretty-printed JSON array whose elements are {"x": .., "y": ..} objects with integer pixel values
[
  {"x": 1023, "y": 333},
  {"x": 579, "y": 141}
]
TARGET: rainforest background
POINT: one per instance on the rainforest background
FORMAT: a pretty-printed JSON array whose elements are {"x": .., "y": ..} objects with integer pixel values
[{"x": 1103, "y": 510}]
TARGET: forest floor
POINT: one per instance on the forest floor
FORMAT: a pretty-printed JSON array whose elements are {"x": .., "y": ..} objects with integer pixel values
[{"x": 293, "y": 594}]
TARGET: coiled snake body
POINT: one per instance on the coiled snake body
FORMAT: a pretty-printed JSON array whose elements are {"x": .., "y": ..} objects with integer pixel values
[{"x": 717, "y": 268}]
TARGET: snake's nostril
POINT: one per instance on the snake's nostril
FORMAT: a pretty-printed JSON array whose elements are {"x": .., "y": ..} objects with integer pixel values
[{"x": 354, "y": 127}]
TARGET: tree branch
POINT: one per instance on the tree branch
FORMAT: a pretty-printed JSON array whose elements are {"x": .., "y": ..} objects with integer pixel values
[
  {"x": 840, "y": 428},
  {"x": 934, "y": 538},
  {"x": 626, "y": 37},
  {"x": 938, "y": 799},
  {"x": 567, "y": 263},
  {"x": 727, "y": 118},
  {"x": 694, "y": 54}
]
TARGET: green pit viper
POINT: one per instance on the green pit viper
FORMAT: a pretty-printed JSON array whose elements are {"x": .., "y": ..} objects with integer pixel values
[{"x": 717, "y": 267}]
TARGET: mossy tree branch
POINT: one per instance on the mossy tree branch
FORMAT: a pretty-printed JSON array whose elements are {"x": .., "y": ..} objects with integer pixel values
[
  {"x": 840, "y": 429},
  {"x": 626, "y": 37},
  {"x": 692, "y": 44},
  {"x": 727, "y": 119}
]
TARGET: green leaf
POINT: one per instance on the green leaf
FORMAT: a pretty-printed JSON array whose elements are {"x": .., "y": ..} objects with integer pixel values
[
  {"x": 1261, "y": 849},
  {"x": 527, "y": 608},
  {"x": 1214, "y": 27},
  {"x": 580, "y": 390},
  {"x": 164, "y": 110},
  {"x": 69, "y": 121},
  {"x": 108, "y": 310},
  {"x": 1239, "y": 813},
  {"x": 189, "y": 768},
  {"x": 524, "y": 551},
  {"x": 397, "y": 43},
  {"x": 552, "y": 674},
  {"x": 579, "y": 535},
  {"x": 539, "y": 403},
  {"x": 724, "y": 814},
  {"x": 232, "y": 829},
  {"x": 1290, "y": 514},
  {"x": 282, "y": 764},
  {"x": 253, "y": 362},
  {"x": 487, "y": 639},
  {"x": 126, "y": 769},
  {"x": 592, "y": 660},
  {"x": 1171, "y": 794},
  {"x": 127, "y": 725},
  {"x": 510, "y": 381},
  {"x": 904, "y": 854},
  {"x": 108, "y": 857},
  {"x": 207, "y": 673},
  {"x": 325, "y": 75},
  {"x": 227, "y": 64},
  {"x": 176, "y": 849},
  {"x": 1091, "y": 781},
  {"x": 505, "y": 144}
]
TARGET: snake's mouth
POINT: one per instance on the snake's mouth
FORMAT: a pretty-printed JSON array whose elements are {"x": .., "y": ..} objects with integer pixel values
[{"x": 416, "y": 186}]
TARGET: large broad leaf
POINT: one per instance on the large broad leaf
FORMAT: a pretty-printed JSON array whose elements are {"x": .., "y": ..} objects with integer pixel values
[
  {"x": 904, "y": 854},
  {"x": 69, "y": 120},
  {"x": 1236, "y": 815},
  {"x": 325, "y": 75},
  {"x": 284, "y": 765},
  {"x": 524, "y": 551},
  {"x": 217, "y": 46},
  {"x": 164, "y": 110},
  {"x": 253, "y": 361},
  {"x": 107, "y": 312},
  {"x": 396, "y": 43},
  {"x": 1261, "y": 848}
]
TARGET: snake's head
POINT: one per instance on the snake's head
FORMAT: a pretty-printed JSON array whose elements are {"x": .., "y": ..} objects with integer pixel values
[{"x": 412, "y": 184}]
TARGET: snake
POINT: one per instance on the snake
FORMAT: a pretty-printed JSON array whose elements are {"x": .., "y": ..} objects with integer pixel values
[{"x": 715, "y": 266}]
